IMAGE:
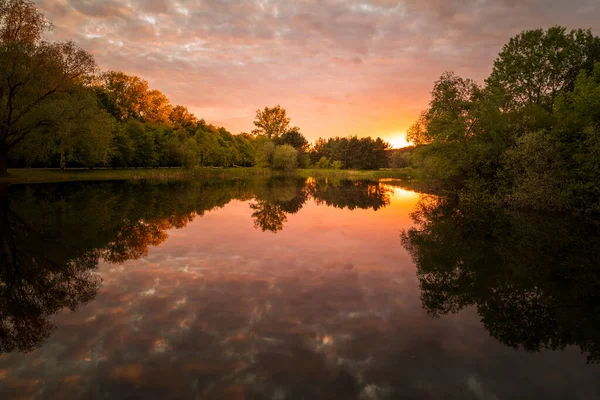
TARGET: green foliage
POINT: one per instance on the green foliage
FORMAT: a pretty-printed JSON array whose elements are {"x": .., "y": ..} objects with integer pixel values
[
  {"x": 285, "y": 157},
  {"x": 264, "y": 151},
  {"x": 323, "y": 163},
  {"x": 537, "y": 65},
  {"x": 530, "y": 136},
  {"x": 271, "y": 122},
  {"x": 352, "y": 152},
  {"x": 41, "y": 84},
  {"x": 60, "y": 113},
  {"x": 337, "y": 164},
  {"x": 294, "y": 138}
]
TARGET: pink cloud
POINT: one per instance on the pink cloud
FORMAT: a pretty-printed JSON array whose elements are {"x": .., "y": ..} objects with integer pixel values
[{"x": 226, "y": 59}]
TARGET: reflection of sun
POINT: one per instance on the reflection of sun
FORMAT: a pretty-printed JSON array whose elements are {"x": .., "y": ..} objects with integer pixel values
[{"x": 398, "y": 141}]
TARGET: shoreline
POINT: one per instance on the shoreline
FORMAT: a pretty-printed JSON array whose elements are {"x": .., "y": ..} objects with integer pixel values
[{"x": 18, "y": 176}]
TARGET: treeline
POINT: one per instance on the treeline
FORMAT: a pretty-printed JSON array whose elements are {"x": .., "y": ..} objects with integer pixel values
[
  {"x": 350, "y": 153},
  {"x": 129, "y": 125},
  {"x": 57, "y": 110},
  {"x": 530, "y": 136}
]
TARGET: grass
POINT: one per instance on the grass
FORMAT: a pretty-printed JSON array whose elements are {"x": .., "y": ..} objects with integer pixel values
[
  {"x": 402, "y": 174},
  {"x": 20, "y": 176}
]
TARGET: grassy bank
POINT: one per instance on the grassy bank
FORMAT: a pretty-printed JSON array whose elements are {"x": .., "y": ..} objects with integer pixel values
[
  {"x": 403, "y": 174},
  {"x": 20, "y": 176}
]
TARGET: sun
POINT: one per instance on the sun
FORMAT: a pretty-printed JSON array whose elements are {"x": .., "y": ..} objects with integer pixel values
[{"x": 398, "y": 140}]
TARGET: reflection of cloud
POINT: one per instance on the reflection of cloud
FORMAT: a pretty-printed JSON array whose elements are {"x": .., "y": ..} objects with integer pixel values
[
  {"x": 286, "y": 310},
  {"x": 241, "y": 56}
]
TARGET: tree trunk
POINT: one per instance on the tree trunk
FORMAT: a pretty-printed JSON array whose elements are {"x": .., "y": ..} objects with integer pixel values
[{"x": 3, "y": 163}]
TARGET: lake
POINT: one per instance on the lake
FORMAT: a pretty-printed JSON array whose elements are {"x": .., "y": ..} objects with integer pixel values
[{"x": 288, "y": 288}]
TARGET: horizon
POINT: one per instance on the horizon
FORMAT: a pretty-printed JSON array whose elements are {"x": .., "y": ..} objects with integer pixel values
[{"x": 338, "y": 68}]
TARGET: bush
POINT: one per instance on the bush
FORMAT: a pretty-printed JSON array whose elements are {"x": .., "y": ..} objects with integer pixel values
[
  {"x": 337, "y": 164},
  {"x": 323, "y": 163},
  {"x": 285, "y": 157}
]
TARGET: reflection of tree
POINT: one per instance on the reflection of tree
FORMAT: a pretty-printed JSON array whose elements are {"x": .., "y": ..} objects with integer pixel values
[
  {"x": 131, "y": 242},
  {"x": 351, "y": 194},
  {"x": 268, "y": 216},
  {"x": 53, "y": 236},
  {"x": 275, "y": 199},
  {"x": 534, "y": 279},
  {"x": 39, "y": 275}
]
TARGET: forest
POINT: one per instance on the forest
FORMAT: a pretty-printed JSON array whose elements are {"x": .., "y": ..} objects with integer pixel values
[
  {"x": 529, "y": 137},
  {"x": 58, "y": 110}
]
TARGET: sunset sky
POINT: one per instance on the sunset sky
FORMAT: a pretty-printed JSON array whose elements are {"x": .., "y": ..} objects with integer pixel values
[{"x": 338, "y": 67}]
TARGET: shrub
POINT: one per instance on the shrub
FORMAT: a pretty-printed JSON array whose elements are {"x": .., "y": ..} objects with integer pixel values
[
  {"x": 285, "y": 157},
  {"x": 323, "y": 163}
]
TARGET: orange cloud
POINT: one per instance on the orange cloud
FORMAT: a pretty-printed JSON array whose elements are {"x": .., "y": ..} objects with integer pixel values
[{"x": 338, "y": 67}]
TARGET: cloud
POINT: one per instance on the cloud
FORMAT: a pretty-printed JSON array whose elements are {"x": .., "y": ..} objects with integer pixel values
[{"x": 224, "y": 59}]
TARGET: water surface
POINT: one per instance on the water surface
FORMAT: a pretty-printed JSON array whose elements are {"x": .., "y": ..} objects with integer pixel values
[{"x": 291, "y": 289}]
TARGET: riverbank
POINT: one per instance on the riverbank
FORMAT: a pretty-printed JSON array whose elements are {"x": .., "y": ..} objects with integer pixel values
[{"x": 28, "y": 176}]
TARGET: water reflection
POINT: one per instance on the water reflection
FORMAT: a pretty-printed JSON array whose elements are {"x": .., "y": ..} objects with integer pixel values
[
  {"x": 53, "y": 236},
  {"x": 45, "y": 266},
  {"x": 534, "y": 279},
  {"x": 193, "y": 300},
  {"x": 280, "y": 197}
]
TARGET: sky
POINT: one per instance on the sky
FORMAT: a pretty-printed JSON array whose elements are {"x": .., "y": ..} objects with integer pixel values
[{"x": 338, "y": 67}]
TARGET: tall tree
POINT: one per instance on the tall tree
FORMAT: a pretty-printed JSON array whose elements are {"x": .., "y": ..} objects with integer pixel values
[
  {"x": 157, "y": 108},
  {"x": 536, "y": 65},
  {"x": 294, "y": 138},
  {"x": 122, "y": 95},
  {"x": 33, "y": 74},
  {"x": 182, "y": 118},
  {"x": 272, "y": 122}
]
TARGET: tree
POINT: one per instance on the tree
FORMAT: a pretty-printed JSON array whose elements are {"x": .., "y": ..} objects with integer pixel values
[
  {"x": 265, "y": 149},
  {"x": 536, "y": 65},
  {"x": 528, "y": 138},
  {"x": 21, "y": 21},
  {"x": 558, "y": 169},
  {"x": 272, "y": 122},
  {"x": 181, "y": 118},
  {"x": 122, "y": 149},
  {"x": 157, "y": 108},
  {"x": 144, "y": 154},
  {"x": 123, "y": 96},
  {"x": 33, "y": 74},
  {"x": 323, "y": 163},
  {"x": 294, "y": 138},
  {"x": 449, "y": 117},
  {"x": 285, "y": 157}
]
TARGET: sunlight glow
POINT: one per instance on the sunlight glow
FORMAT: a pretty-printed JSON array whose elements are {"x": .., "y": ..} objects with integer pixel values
[{"x": 398, "y": 140}]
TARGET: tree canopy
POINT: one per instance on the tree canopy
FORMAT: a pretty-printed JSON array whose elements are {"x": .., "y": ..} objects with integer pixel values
[
  {"x": 529, "y": 136},
  {"x": 58, "y": 110},
  {"x": 41, "y": 83}
]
